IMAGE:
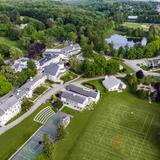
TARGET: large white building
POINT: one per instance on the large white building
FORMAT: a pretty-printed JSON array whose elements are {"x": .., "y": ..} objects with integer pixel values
[
  {"x": 8, "y": 109},
  {"x": 47, "y": 60},
  {"x": 111, "y": 83},
  {"x": 27, "y": 89},
  {"x": 54, "y": 71},
  {"x": 78, "y": 97},
  {"x": 74, "y": 101},
  {"x": 64, "y": 53}
]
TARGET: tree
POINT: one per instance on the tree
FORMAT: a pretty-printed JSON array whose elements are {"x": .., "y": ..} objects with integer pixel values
[
  {"x": 140, "y": 74},
  {"x": 36, "y": 49},
  {"x": 87, "y": 51},
  {"x": 72, "y": 36},
  {"x": 48, "y": 147},
  {"x": 26, "y": 105},
  {"x": 133, "y": 82},
  {"x": 15, "y": 53},
  {"x": 1, "y": 60},
  {"x": 5, "y": 85},
  {"x": 75, "y": 65},
  {"x": 112, "y": 67},
  {"x": 61, "y": 132},
  {"x": 157, "y": 86},
  {"x": 32, "y": 69},
  {"x": 8, "y": 72},
  {"x": 21, "y": 78}
]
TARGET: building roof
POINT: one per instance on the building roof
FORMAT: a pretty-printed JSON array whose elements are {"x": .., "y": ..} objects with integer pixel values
[
  {"x": 47, "y": 58},
  {"x": 26, "y": 87},
  {"x": 132, "y": 17},
  {"x": 51, "y": 69},
  {"x": 111, "y": 81},
  {"x": 82, "y": 91},
  {"x": 73, "y": 97},
  {"x": 8, "y": 104}
]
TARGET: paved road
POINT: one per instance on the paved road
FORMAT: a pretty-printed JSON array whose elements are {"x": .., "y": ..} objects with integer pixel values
[
  {"x": 41, "y": 100},
  {"x": 133, "y": 64}
]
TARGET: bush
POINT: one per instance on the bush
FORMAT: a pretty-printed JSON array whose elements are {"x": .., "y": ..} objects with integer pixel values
[
  {"x": 57, "y": 104},
  {"x": 26, "y": 105},
  {"x": 142, "y": 94},
  {"x": 39, "y": 90}
]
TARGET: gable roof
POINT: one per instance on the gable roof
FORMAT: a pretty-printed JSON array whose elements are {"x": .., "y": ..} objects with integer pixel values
[
  {"x": 82, "y": 91},
  {"x": 111, "y": 81},
  {"x": 8, "y": 104},
  {"x": 73, "y": 97},
  {"x": 51, "y": 69}
]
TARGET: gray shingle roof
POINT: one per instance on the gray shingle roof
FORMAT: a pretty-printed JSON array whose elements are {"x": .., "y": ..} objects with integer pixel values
[
  {"x": 51, "y": 69},
  {"x": 111, "y": 81},
  {"x": 26, "y": 87},
  {"x": 47, "y": 58},
  {"x": 81, "y": 91},
  {"x": 73, "y": 97},
  {"x": 8, "y": 104}
]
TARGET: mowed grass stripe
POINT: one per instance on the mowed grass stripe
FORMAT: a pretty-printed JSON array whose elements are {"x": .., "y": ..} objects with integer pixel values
[{"x": 108, "y": 133}]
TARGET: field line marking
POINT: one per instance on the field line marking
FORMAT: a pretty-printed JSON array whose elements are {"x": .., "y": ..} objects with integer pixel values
[{"x": 145, "y": 137}]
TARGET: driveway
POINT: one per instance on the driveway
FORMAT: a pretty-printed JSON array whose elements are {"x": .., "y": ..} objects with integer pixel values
[{"x": 133, "y": 64}]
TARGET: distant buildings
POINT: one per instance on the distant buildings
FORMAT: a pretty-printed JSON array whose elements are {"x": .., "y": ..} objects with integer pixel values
[
  {"x": 78, "y": 97},
  {"x": 64, "y": 53},
  {"x": 132, "y": 18},
  {"x": 111, "y": 83},
  {"x": 20, "y": 64},
  {"x": 153, "y": 63}
]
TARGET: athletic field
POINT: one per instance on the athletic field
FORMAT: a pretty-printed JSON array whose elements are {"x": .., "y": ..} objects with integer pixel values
[{"x": 122, "y": 127}]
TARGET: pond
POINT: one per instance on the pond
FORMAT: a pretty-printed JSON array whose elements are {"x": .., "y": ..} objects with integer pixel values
[{"x": 121, "y": 41}]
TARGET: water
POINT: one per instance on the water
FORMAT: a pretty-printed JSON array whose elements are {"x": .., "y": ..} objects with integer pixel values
[{"x": 121, "y": 41}]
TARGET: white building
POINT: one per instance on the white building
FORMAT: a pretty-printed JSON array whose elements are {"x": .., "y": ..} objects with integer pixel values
[
  {"x": 93, "y": 96},
  {"x": 64, "y": 53},
  {"x": 47, "y": 60},
  {"x": 8, "y": 109},
  {"x": 54, "y": 71},
  {"x": 27, "y": 89},
  {"x": 20, "y": 64},
  {"x": 78, "y": 97},
  {"x": 111, "y": 83},
  {"x": 74, "y": 101},
  {"x": 132, "y": 18}
]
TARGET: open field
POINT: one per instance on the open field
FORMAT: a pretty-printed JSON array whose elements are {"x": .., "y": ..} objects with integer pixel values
[
  {"x": 144, "y": 26},
  {"x": 5, "y": 40},
  {"x": 15, "y": 137},
  {"x": 122, "y": 127}
]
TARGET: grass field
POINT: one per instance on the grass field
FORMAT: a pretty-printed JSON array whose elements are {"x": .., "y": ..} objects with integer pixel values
[
  {"x": 122, "y": 127},
  {"x": 7, "y": 41},
  {"x": 15, "y": 137},
  {"x": 144, "y": 26}
]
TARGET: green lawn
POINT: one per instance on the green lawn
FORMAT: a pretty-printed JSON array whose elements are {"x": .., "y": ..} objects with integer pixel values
[
  {"x": 7, "y": 41},
  {"x": 15, "y": 137},
  {"x": 122, "y": 127},
  {"x": 144, "y": 26},
  {"x": 68, "y": 76}
]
